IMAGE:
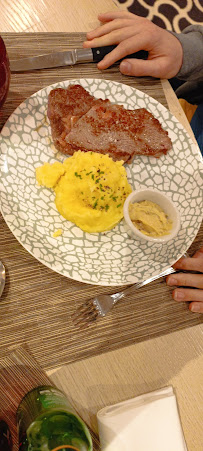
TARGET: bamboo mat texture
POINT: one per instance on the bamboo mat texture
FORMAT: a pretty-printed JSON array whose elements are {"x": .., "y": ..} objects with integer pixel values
[
  {"x": 20, "y": 373},
  {"x": 37, "y": 303}
]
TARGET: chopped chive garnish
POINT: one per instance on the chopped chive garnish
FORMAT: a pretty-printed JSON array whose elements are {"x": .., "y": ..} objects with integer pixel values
[
  {"x": 78, "y": 175},
  {"x": 101, "y": 187},
  {"x": 95, "y": 204}
]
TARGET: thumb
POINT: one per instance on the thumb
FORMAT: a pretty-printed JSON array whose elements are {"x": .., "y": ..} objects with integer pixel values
[{"x": 139, "y": 68}]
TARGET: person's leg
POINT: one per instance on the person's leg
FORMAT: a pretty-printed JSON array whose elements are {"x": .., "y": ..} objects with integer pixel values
[
  {"x": 5, "y": 437},
  {"x": 197, "y": 119}
]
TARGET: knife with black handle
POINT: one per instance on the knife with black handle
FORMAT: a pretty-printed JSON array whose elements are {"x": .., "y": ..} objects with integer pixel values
[
  {"x": 68, "y": 58},
  {"x": 100, "y": 52}
]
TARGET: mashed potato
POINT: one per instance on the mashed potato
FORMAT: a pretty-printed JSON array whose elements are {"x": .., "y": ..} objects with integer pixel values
[
  {"x": 90, "y": 189},
  {"x": 49, "y": 174},
  {"x": 57, "y": 233}
]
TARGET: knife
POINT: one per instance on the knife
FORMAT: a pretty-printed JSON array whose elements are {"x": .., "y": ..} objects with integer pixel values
[{"x": 68, "y": 58}]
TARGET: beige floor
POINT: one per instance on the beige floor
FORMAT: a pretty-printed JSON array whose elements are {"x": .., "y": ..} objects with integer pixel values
[{"x": 174, "y": 359}]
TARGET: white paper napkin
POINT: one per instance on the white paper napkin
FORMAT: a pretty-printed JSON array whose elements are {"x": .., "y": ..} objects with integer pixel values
[{"x": 149, "y": 422}]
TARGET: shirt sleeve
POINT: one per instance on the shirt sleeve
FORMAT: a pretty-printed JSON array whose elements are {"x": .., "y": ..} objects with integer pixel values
[{"x": 192, "y": 42}]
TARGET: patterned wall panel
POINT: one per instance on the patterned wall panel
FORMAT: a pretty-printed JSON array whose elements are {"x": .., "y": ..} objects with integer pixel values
[{"x": 171, "y": 14}]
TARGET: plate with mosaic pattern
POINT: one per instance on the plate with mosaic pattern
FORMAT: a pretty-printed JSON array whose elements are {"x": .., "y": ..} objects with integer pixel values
[{"x": 110, "y": 258}]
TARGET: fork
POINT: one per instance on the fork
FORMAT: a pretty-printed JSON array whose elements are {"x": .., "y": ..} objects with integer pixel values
[
  {"x": 99, "y": 306},
  {"x": 2, "y": 278}
]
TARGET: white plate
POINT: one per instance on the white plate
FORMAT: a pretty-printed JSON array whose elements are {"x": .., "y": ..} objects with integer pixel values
[{"x": 110, "y": 258}]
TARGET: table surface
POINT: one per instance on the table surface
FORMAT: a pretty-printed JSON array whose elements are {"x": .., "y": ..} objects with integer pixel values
[{"x": 109, "y": 377}]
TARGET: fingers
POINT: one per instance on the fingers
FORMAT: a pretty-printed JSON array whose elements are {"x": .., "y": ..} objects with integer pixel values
[
  {"x": 116, "y": 36},
  {"x": 106, "y": 17},
  {"x": 185, "y": 280},
  {"x": 191, "y": 264},
  {"x": 125, "y": 47},
  {"x": 130, "y": 40},
  {"x": 194, "y": 296},
  {"x": 196, "y": 307},
  {"x": 132, "y": 33},
  {"x": 114, "y": 22},
  {"x": 136, "y": 68},
  {"x": 141, "y": 68},
  {"x": 187, "y": 295},
  {"x": 106, "y": 29}
]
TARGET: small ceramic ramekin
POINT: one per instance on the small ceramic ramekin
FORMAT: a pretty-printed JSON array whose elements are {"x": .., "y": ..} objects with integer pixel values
[{"x": 160, "y": 199}]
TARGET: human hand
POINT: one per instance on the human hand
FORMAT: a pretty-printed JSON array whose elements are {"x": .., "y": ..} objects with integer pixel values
[
  {"x": 192, "y": 295},
  {"x": 132, "y": 33}
]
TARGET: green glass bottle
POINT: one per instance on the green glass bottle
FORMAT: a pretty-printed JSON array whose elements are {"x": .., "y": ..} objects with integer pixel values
[{"x": 47, "y": 422}]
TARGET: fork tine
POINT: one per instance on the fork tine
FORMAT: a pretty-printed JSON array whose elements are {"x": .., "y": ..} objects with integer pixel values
[
  {"x": 85, "y": 309},
  {"x": 87, "y": 317},
  {"x": 85, "y": 314},
  {"x": 84, "y": 322}
]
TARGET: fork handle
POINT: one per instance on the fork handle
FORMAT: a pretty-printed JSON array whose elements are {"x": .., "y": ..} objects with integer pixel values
[{"x": 137, "y": 285}]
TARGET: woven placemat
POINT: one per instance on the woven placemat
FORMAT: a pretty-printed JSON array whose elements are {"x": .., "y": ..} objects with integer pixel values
[
  {"x": 20, "y": 373},
  {"x": 37, "y": 303}
]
